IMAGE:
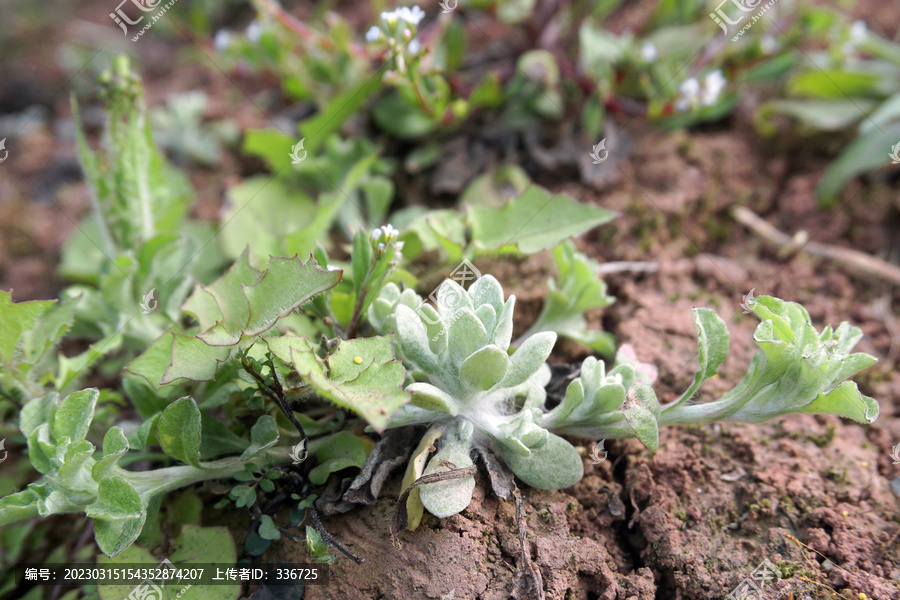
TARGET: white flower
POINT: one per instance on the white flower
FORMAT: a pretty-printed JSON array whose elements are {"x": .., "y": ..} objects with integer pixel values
[
  {"x": 381, "y": 247},
  {"x": 858, "y": 31},
  {"x": 332, "y": 268},
  {"x": 376, "y": 234},
  {"x": 374, "y": 34},
  {"x": 681, "y": 105},
  {"x": 649, "y": 52},
  {"x": 413, "y": 46},
  {"x": 713, "y": 85},
  {"x": 253, "y": 31},
  {"x": 412, "y": 16},
  {"x": 389, "y": 232},
  {"x": 690, "y": 88},
  {"x": 221, "y": 40}
]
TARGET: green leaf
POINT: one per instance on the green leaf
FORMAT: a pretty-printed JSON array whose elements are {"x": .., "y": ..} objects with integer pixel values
[
  {"x": 243, "y": 496},
  {"x": 554, "y": 466},
  {"x": 343, "y": 450},
  {"x": 267, "y": 529},
  {"x": 74, "y": 414},
  {"x": 118, "y": 515},
  {"x": 447, "y": 498},
  {"x": 712, "y": 348},
  {"x": 15, "y": 320},
  {"x": 263, "y": 434},
  {"x": 319, "y": 127},
  {"x": 833, "y": 84},
  {"x": 372, "y": 387},
  {"x": 485, "y": 368},
  {"x": 528, "y": 358},
  {"x": 867, "y": 153},
  {"x": 534, "y": 221},
  {"x": 427, "y": 396},
  {"x": 178, "y": 431},
  {"x": 395, "y": 115},
  {"x": 270, "y": 145},
  {"x": 641, "y": 411}
]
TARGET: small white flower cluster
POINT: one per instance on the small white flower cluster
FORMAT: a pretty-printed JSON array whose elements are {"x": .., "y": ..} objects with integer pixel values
[
  {"x": 859, "y": 31},
  {"x": 649, "y": 53},
  {"x": 384, "y": 235},
  {"x": 694, "y": 95},
  {"x": 222, "y": 39},
  {"x": 404, "y": 20}
]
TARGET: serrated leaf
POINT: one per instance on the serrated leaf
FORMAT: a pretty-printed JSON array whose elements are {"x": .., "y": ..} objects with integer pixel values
[{"x": 371, "y": 388}]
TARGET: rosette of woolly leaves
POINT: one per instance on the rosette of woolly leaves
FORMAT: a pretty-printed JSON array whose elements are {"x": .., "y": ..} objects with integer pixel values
[
  {"x": 381, "y": 310},
  {"x": 462, "y": 373}
]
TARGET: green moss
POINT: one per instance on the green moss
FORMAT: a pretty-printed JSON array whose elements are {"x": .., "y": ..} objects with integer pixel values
[{"x": 681, "y": 514}]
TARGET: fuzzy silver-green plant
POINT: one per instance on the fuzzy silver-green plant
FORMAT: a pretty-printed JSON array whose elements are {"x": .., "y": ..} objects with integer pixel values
[{"x": 472, "y": 392}]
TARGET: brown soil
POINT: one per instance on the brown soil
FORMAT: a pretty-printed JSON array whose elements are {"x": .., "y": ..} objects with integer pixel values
[{"x": 689, "y": 521}]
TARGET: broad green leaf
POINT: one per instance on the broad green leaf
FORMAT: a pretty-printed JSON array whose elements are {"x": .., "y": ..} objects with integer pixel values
[
  {"x": 270, "y": 145},
  {"x": 118, "y": 515},
  {"x": 427, "y": 396},
  {"x": 833, "y": 84},
  {"x": 74, "y": 414},
  {"x": 485, "y": 368},
  {"x": 191, "y": 358},
  {"x": 343, "y": 450},
  {"x": 178, "y": 431},
  {"x": 263, "y": 434},
  {"x": 447, "y": 498},
  {"x": 554, "y": 466},
  {"x": 534, "y": 221},
  {"x": 15, "y": 320}
]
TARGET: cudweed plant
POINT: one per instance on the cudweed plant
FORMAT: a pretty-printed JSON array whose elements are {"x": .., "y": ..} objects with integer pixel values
[{"x": 472, "y": 393}]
